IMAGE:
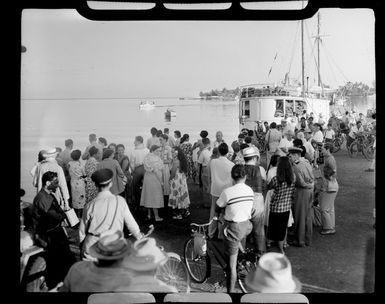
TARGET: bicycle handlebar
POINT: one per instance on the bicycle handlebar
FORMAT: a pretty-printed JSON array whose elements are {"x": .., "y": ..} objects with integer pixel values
[
  {"x": 150, "y": 230},
  {"x": 206, "y": 224}
]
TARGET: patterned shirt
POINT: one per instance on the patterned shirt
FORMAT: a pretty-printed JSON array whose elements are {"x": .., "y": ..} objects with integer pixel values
[{"x": 282, "y": 197}]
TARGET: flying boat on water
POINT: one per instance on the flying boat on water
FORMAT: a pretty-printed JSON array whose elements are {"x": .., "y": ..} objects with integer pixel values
[{"x": 147, "y": 105}]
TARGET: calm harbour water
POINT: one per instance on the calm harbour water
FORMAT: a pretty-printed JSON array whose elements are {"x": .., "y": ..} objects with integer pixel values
[{"x": 50, "y": 122}]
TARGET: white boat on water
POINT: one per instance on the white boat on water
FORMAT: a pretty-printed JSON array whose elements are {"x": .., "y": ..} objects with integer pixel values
[
  {"x": 271, "y": 102},
  {"x": 170, "y": 113},
  {"x": 147, "y": 105}
]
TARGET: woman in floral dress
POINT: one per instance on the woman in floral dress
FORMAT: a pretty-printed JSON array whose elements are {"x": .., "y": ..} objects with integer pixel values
[
  {"x": 78, "y": 190},
  {"x": 186, "y": 147},
  {"x": 179, "y": 199},
  {"x": 89, "y": 168}
]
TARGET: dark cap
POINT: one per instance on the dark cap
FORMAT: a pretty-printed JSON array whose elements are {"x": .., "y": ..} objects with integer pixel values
[
  {"x": 102, "y": 176},
  {"x": 295, "y": 150}
]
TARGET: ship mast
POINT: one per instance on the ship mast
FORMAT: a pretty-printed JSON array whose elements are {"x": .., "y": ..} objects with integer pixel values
[
  {"x": 318, "y": 41},
  {"x": 303, "y": 56},
  {"x": 303, "y": 60}
]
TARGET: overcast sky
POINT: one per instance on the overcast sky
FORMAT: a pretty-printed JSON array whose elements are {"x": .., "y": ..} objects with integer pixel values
[{"x": 69, "y": 56}]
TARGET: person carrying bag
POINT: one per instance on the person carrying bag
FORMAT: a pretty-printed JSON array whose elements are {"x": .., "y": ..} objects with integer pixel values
[{"x": 106, "y": 212}]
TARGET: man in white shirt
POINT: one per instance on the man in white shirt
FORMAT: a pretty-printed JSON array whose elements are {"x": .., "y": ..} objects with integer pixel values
[
  {"x": 286, "y": 142},
  {"x": 285, "y": 127},
  {"x": 93, "y": 142},
  {"x": 220, "y": 176},
  {"x": 137, "y": 168},
  {"x": 170, "y": 140},
  {"x": 238, "y": 202},
  {"x": 318, "y": 136},
  {"x": 354, "y": 131},
  {"x": 203, "y": 162},
  {"x": 329, "y": 133}
]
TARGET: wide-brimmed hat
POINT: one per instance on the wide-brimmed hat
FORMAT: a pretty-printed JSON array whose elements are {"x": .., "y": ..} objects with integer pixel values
[
  {"x": 273, "y": 275},
  {"x": 145, "y": 255},
  {"x": 250, "y": 152},
  {"x": 294, "y": 150},
  {"x": 102, "y": 176},
  {"x": 307, "y": 130},
  {"x": 49, "y": 152},
  {"x": 110, "y": 246}
]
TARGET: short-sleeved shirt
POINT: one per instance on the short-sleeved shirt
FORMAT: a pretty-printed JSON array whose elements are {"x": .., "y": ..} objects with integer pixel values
[
  {"x": 98, "y": 215},
  {"x": 329, "y": 134},
  {"x": 318, "y": 136},
  {"x": 238, "y": 201},
  {"x": 204, "y": 157},
  {"x": 355, "y": 130},
  {"x": 220, "y": 171}
]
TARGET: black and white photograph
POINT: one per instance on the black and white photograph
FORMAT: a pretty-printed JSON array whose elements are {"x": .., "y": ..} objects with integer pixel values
[{"x": 198, "y": 158}]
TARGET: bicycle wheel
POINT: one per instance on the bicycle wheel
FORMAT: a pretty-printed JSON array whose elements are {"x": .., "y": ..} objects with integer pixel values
[
  {"x": 353, "y": 149},
  {"x": 337, "y": 143},
  {"x": 369, "y": 152},
  {"x": 246, "y": 263},
  {"x": 197, "y": 266},
  {"x": 174, "y": 273}
]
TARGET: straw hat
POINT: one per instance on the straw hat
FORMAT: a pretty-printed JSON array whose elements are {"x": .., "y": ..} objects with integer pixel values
[
  {"x": 145, "y": 255},
  {"x": 307, "y": 130},
  {"x": 273, "y": 275},
  {"x": 110, "y": 246},
  {"x": 50, "y": 152},
  {"x": 250, "y": 152}
]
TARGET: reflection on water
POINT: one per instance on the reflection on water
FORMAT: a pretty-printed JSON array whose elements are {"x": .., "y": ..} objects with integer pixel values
[{"x": 362, "y": 103}]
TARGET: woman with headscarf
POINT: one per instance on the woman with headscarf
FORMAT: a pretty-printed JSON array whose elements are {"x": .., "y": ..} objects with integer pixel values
[
  {"x": 186, "y": 147},
  {"x": 118, "y": 179},
  {"x": 152, "y": 191},
  {"x": 90, "y": 167}
]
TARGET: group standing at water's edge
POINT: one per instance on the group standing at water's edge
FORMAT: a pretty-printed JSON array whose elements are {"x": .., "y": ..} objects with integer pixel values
[{"x": 173, "y": 168}]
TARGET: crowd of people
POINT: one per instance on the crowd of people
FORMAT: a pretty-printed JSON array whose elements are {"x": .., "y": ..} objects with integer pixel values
[{"x": 109, "y": 188}]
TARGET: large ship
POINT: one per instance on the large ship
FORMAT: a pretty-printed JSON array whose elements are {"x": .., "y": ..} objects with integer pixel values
[{"x": 271, "y": 102}]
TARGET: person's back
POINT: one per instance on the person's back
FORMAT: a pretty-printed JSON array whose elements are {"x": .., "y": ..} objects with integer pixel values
[
  {"x": 254, "y": 178},
  {"x": 220, "y": 172},
  {"x": 86, "y": 276}
]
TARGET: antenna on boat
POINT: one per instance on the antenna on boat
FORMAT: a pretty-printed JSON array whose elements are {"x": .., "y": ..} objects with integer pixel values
[{"x": 303, "y": 57}]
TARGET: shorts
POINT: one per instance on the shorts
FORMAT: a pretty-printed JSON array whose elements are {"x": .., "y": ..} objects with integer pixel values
[{"x": 235, "y": 233}]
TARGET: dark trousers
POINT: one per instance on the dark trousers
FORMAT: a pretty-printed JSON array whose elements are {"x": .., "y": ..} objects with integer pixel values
[
  {"x": 59, "y": 257},
  {"x": 137, "y": 183}
]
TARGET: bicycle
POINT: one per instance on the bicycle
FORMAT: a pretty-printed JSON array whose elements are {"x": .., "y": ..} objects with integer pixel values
[
  {"x": 369, "y": 147},
  {"x": 358, "y": 145},
  {"x": 198, "y": 248},
  {"x": 338, "y": 141},
  {"x": 174, "y": 271}
]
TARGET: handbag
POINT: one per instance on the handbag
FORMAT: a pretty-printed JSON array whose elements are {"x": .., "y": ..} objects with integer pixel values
[
  {"x": 332, "y": 185},
  {"x": 71, "y": 217}
]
